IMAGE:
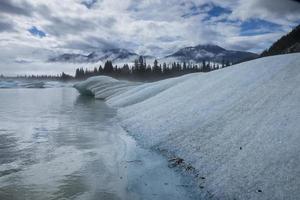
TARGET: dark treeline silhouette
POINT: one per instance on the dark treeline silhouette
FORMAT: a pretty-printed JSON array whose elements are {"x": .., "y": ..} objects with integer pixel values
[
  {"x": 140, "y": 71},
  {"x": 143, "y": 71},
  {"x": 289, "y": 43},
  {"x": 59, "y": 77}
]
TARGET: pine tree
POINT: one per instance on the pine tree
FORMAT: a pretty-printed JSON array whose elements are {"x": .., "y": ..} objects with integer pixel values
[
  {"x": 77, "y": 73},
  {"x": 165, "y": 69},
  {"x": 108, "y": 67},
  {"x": 100, "y": 70},
  {"x": 156, "y": 68},
  {"x": 95, "y": 71},
  {"x": 184, "y": 66}
]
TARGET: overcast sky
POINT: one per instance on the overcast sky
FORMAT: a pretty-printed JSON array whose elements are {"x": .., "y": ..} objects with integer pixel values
[{"x": 33, "y": 30}]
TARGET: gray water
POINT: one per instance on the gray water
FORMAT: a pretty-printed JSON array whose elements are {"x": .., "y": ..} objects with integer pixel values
[{"x": 55, "y": 144}]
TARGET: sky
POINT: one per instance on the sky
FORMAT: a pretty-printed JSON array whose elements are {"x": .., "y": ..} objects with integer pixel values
[{"x": 31, "y": 31}]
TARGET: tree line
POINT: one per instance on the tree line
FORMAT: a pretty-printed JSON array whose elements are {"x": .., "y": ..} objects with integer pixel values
[
  {"x": 289, "y": 43},
  {"x": 59, "y": 77},
  {"x": 143, "y": 71}
]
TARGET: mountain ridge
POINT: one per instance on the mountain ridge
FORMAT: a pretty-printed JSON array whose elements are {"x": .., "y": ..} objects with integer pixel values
[
  {"x": 95, "y": 56},
  {"x": 208, "y": 52}
]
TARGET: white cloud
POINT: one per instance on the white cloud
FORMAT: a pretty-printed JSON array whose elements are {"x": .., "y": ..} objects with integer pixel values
[
  {"x": 279, "y": 11},
  {"x": 155, "y": 27}
]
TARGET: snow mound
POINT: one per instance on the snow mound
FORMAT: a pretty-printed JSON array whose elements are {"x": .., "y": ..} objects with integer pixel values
[
  {"x": 103, "y": 87},
  {"x": 239, "y": 126}
]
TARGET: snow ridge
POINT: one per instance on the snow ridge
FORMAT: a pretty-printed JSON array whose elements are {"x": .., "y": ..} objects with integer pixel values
[{"x": 239, "y": 126}]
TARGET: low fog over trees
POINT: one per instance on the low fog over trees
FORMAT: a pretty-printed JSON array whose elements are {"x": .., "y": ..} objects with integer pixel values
[{"x": 141, "y": 70}]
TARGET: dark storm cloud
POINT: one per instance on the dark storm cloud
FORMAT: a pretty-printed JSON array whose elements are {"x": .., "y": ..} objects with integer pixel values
[
  {"x": 20, "y": 8},
  {"x": 68, "y": 25},
  {"x": 61, "y": 26},
  {"x": 6, "y": 26},
  {"x": 64, "y": 26},
  {"x": 280, "y": 7},
  {"x": 90, "y": 44},
  {"x": 271, "y": 10}
]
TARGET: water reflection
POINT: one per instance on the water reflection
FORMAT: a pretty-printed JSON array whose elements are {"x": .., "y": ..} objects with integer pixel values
[{"x": 58, "y": 145}]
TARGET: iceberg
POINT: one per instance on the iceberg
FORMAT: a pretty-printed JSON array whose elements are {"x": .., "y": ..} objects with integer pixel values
[
  {"x": 239, "y": 127},
  {"x": 9, "y": 84},
  {"x": 32, "y": 84},
  {"x": 4, "y": 84},
  {"x": 36, "y": 84}
]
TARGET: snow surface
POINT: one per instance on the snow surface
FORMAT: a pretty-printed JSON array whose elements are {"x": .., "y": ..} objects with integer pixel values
[{"x": 239, "y": 126}]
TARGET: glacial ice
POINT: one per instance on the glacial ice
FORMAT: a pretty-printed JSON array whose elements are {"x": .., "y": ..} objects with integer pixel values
[
  {"x": 15, "y": 83},
  {"x": 238, "y": 126}
]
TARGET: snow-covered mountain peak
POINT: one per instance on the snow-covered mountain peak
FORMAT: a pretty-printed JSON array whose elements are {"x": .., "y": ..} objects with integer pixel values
[
  {"x": 117, "y": 54},
  {"x": 209, "y": 52}
]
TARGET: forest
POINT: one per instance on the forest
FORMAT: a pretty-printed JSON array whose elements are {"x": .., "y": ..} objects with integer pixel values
[{"x": 142, "y": 71}]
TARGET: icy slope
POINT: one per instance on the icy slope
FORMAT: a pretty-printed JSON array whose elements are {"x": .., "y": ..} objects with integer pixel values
[{"x": 239, "y": 126}]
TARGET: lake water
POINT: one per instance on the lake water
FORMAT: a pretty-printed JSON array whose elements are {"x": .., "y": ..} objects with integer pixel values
[{"x": 55, "y": 144}]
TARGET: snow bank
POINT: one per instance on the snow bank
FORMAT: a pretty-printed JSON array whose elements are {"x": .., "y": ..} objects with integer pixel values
[{"x": 239, "y": 126}]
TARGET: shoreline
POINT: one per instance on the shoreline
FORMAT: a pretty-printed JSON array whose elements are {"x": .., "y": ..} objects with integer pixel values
[
  {"x": 192, "y": 179},
  {"x": 144, "y": 158}
]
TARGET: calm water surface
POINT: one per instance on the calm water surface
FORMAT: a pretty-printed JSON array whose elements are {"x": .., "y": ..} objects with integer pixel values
[{"x": 55, "y": 144}]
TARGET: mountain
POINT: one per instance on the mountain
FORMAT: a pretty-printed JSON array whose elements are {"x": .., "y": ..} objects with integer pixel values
[
  {"x": 198, "y": 53},
  {"x": 210, "y": 52},
  {"x": 289, "y": 43},
  {"x": 120, "y": 55}
]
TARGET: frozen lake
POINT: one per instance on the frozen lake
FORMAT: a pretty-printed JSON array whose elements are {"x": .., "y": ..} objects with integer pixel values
[{"x": 55, "y": 144}]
